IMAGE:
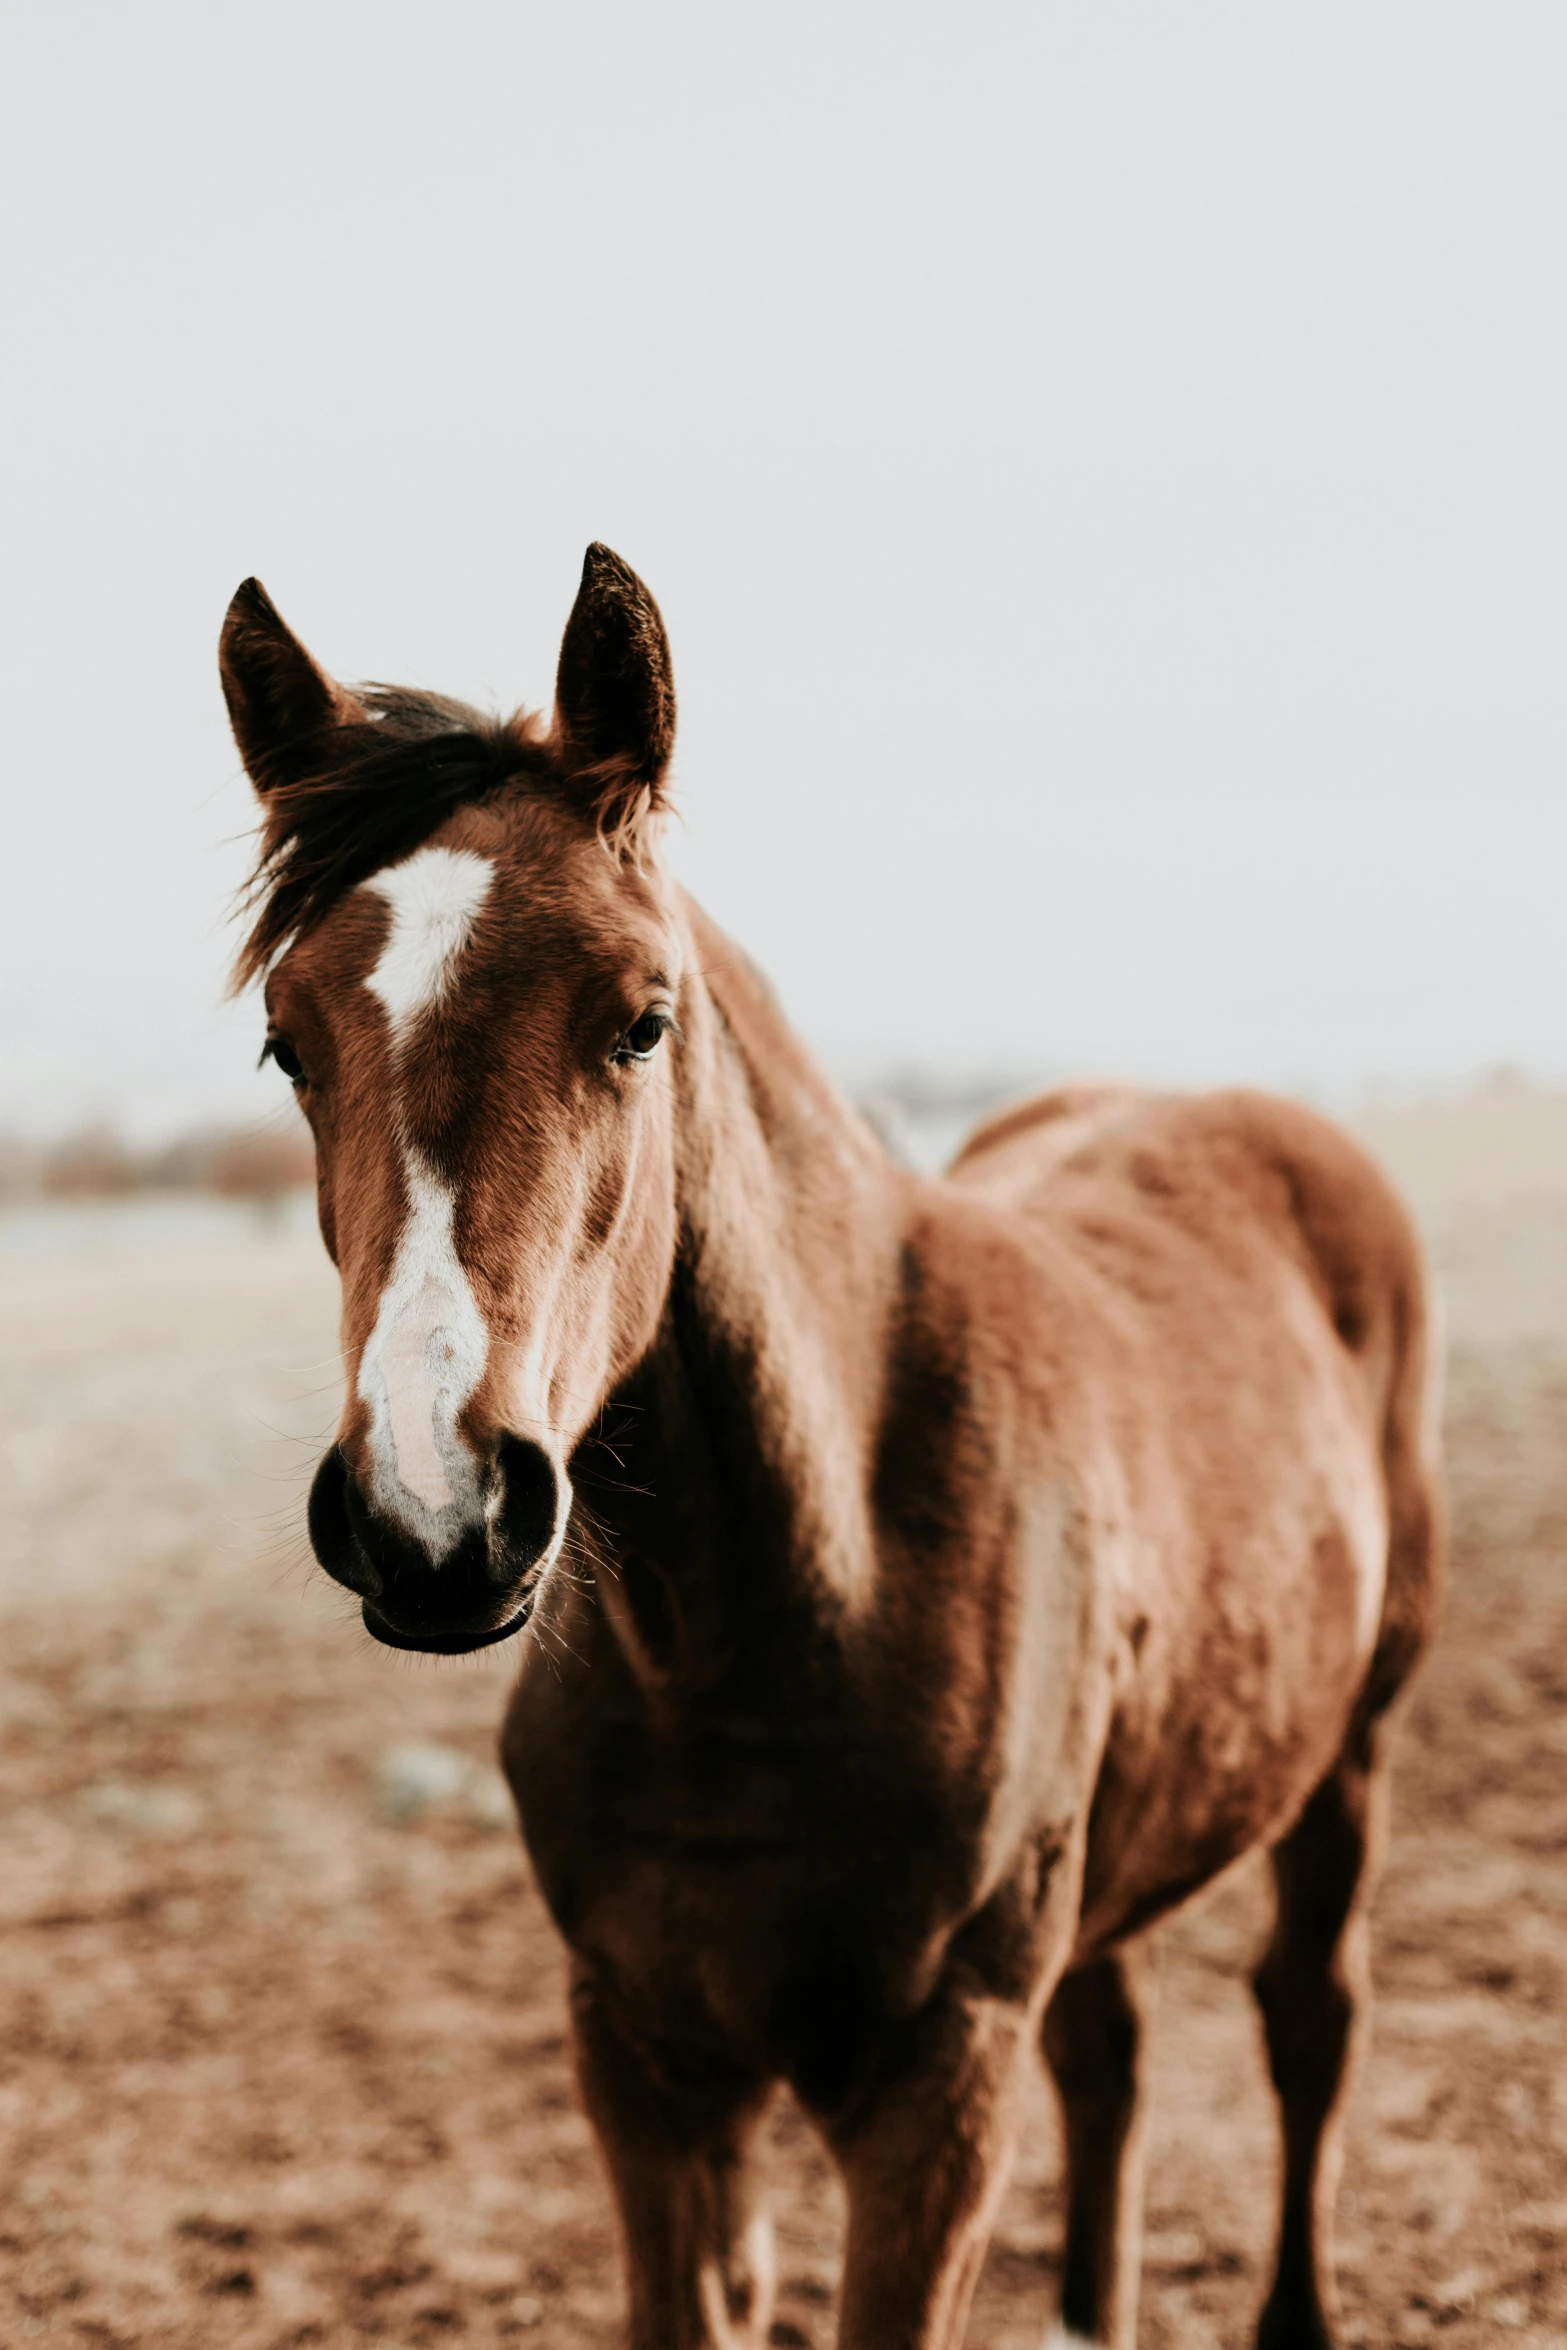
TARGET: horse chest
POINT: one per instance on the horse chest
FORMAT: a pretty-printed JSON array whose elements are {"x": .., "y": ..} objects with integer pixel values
[{"x": 746, "y": 1894}]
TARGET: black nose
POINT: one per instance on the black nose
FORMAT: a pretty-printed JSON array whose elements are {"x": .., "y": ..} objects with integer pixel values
[{"x": 477, "y": 1592}]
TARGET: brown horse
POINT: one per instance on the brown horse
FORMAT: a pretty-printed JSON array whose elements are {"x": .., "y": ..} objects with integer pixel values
[{"x": 933, "y": 1582}]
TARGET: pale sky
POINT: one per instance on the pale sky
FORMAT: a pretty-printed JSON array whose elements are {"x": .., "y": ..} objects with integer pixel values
[{"x": 1102, "y": 467}]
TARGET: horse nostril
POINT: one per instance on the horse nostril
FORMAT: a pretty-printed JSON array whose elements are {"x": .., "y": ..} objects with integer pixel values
[
  {"x": 522, "y": 1516},
  {"x": 332, "y": 1534}
]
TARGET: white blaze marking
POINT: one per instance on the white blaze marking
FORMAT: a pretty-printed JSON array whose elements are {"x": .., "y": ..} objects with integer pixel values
[
  {"x": 435, "y": 897},
  {"x": 421, "y": 1363}
]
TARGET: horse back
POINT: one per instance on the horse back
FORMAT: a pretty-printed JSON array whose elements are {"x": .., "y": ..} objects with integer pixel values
[{"x": 1217, "y": 1177}]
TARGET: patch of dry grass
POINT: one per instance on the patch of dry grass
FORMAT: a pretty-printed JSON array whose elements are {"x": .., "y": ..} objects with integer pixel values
[{"x": 281, "y": 2047}]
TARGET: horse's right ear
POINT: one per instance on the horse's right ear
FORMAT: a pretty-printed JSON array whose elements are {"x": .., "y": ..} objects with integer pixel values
[{"x": 279, "y": 700}]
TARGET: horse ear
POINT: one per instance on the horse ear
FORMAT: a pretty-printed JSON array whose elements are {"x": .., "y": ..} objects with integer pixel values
[
  {"x": 279, "y": 700},
  {"x": 615, "y": 693}
]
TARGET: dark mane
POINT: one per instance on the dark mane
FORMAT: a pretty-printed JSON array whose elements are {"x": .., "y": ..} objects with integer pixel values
[{"x": 366, "y": 792}]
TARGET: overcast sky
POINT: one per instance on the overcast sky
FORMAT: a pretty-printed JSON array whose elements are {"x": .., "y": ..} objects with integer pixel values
[{"x": 1102, "y": 467}]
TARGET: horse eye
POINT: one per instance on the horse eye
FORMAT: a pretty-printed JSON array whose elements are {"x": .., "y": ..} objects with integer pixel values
[
  {"x": 278, "y": 1048},
  {"x": 642, "y": 1039}
]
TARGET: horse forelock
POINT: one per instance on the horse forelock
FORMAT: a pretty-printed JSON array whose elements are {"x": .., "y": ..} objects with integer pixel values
[{"x": 371, "y": 792}]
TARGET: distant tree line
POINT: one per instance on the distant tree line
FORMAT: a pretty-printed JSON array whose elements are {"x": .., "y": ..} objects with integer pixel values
[{"x": 97, "y": 1162}]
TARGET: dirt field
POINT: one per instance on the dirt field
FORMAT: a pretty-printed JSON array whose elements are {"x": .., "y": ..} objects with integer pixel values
[{"x": 281, "y": 2055}]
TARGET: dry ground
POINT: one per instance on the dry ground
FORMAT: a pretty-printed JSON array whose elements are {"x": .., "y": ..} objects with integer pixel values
[{"x": 281, "y": 2055}]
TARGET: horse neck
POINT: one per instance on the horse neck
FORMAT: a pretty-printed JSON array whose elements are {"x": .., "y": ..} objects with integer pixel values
[{"x": 762, "y": 1392}]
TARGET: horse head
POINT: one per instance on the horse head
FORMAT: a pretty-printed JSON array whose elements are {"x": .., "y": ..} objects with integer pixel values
[{"x": 473, "y": 960}]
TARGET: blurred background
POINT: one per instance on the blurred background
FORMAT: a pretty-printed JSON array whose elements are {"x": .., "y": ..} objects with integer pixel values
[
  {"x": 1102, "y": 470},
  {"x": 1104, "y": 475}
]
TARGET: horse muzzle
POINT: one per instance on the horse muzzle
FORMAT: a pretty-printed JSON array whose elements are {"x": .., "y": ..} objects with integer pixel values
[{"x": 479, "y": 1590}]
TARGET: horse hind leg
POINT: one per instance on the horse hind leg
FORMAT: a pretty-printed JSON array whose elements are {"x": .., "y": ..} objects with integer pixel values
[
  {"x": 1095, "y": 2033},
  {"x": 1313, "y": 1986},
  {"x": 1314, "y": 1983}
]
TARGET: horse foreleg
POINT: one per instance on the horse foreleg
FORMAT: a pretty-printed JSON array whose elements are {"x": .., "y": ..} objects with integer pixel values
[
  {"x": 699, "y": 2256},
  {"x": 1093, "y": 2038},
  {"x": 924, "y": 2161},
  {"x": 1313, "y": 1986}
]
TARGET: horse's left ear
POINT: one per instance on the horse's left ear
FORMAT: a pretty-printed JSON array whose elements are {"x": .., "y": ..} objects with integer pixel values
[{"x": 615, "y": 694}]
